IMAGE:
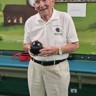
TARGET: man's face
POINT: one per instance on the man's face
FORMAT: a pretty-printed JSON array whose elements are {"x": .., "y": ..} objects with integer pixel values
[{"x": 44, "y": 7}]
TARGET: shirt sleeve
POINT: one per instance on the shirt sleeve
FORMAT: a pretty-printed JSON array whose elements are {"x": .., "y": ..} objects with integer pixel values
[
  {"x": 27, "y": 38},
  {"x": 71, "y": 30}
]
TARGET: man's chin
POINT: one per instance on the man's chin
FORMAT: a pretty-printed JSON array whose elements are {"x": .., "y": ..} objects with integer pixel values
[{"x": 43, "y": 13}]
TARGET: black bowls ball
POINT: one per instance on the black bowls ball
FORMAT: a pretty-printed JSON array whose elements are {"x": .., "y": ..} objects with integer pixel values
[{"x": 35, "y": 47}]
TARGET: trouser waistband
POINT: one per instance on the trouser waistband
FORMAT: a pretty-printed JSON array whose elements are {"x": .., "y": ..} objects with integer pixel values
[{"x": 48, "y": 63}]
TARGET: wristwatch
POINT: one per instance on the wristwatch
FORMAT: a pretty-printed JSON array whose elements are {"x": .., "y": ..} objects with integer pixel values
[{"x": 60, "y": 51}]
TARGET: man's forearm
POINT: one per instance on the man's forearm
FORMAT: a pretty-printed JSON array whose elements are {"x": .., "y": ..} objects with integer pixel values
[{"x": 70, "y": 47}]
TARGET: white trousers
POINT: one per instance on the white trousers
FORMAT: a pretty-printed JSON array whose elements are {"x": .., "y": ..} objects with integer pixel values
[{"x": 48, "y": 80}]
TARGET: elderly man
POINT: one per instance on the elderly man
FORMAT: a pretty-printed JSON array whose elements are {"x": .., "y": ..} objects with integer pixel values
[{"x": 48, "y": 71}]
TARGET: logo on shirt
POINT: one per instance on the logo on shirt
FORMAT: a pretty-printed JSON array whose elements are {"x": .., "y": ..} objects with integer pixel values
[{"x": 58, "y": 31}]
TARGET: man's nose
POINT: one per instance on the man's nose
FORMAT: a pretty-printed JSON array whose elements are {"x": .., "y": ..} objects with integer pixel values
[{"x": 41, "y": 3}]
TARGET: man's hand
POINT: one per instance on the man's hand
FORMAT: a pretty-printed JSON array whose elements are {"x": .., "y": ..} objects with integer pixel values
[{"x": 47, "y": 51}]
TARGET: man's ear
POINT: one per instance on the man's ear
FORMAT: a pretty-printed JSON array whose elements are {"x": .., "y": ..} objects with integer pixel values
[
  {"x": 35, "y": 7},
  {"x": 34, "y": 4},
  {"x": 53, "y": 1}
]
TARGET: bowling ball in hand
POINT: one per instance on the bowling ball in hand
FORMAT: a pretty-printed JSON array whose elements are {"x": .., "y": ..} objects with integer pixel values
[{"x": 35, "y": 47}]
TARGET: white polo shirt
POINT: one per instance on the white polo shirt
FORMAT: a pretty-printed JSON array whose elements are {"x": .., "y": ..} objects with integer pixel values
[{"x": 58, "y": 31}]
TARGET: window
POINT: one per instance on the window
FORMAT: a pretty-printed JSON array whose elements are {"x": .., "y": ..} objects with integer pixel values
[
  {"x": 15, "y": 19},
  {"x": 8, "y": 19},
  {"x": 20, "y": 20}
]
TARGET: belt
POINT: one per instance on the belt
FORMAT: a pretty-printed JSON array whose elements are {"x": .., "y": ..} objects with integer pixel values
[{"x": 48, "y": 63}]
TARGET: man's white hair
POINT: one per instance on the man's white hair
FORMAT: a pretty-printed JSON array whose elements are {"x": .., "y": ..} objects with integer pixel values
[{"x": 31, "y": 2}]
